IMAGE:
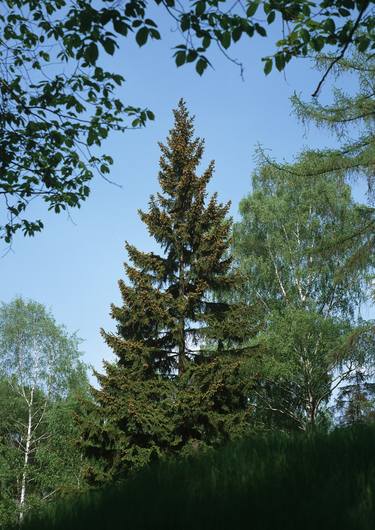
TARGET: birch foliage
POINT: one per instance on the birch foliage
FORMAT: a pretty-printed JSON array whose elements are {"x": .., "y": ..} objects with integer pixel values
[
  {"x": 285, "y": 248},
  {"x": 40, "y": 369}
]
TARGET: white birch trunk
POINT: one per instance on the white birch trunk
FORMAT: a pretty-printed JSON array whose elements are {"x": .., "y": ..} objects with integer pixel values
[{"x": 27, "y": 451}]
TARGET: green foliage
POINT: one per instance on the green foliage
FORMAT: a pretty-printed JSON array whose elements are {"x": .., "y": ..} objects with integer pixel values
[
  {"x": 172, "y": 386},
  {"x": 286, "y": 238},
  {"x": 36, "y": 351},
  {"x": 41, "y": 376},
  {"x": 309, "y": 343},
  {"x": 308, "y": 27},
  {"x": 320, "y": 481},
  {"x": 10, "y": 457},
  {"x": 351, "y": 118},
  {"x": 305, "y": 357},
  {"x": 57, "y": 104},
  {"x": 356, "y": 400}
]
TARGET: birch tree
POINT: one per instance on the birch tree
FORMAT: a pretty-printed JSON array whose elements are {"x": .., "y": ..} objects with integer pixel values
[
  {"x": 40, "y": 365},
  {"x": 285, "y": 246}
]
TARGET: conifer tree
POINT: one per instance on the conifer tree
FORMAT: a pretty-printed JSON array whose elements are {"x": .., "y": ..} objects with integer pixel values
[
  {"x": 174, "y": 382},
  {"x": 355, "y": 403},
  {"x": 350, "y": 117}
]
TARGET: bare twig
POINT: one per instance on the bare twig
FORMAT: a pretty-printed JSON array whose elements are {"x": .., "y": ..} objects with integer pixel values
[{"x": 343, "y": 51}]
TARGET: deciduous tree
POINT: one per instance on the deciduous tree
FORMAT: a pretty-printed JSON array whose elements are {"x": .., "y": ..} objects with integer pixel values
[
  {"x": 310, "y": 342},
  {"x": 40, "y": 371},
  {"x": 58, "y": 103},
  {"x": 351, "y": 118}
]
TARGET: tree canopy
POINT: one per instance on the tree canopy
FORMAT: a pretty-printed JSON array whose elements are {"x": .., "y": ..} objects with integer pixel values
[
  {"x": 310, "y": 341},
  {"x": 58, "y": 104},
  {"x": 40, "y": 376},
  {"x": 351, "y": 119}
]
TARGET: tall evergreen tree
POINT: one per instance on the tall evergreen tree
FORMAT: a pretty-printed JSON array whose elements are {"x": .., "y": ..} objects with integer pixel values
[
  {"x": 355, "y": 403},
  {"x": 355, "y": 400},
  {"x": 167, "y": 389}
]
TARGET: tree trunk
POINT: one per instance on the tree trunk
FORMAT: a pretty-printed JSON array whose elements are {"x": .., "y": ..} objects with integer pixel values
[
  {"x": 27, "y": 451},
  {"x": 312, "y": 415},
  {"x": 181, "y": 338}
]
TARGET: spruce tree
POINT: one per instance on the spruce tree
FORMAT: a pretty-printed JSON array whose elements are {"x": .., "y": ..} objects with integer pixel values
[
  {"x": 175, "y": 383},
  {"x": 355, "y": 402}
]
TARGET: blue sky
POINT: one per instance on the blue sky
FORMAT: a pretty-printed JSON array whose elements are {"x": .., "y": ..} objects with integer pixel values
[{"x": 73, "y": 266}]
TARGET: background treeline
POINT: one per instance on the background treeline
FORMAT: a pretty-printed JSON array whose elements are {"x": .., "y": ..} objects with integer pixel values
[{"x": 231, "y": 330}]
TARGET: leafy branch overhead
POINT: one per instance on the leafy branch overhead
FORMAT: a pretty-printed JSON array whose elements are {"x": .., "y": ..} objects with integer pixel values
[
  {"x": 306, "y": 27},
  {"x": 58, "y": 104}
]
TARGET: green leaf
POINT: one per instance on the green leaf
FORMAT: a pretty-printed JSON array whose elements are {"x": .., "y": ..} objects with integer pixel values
[
  {"x": 109, "y": 46},
  {"x": 267, "y": 7},
  {"x": 91, "y": 53},
  {"x": 305, "y": 35},
  {"x": 344, "y": 12},
  {"x": 268, "y": 66},
  {"x": 150, "y": 115},
  {"x": 317, "y": 43},
  {"x": 104, "y": 168},
  {"x": 306, "y": 10},
  {"x": 249, "y": 30},
  {"x": 200, "y": 8},
  {"x": 206, "y": 41},
  {"x": 120, "y": 27},
  {"x": 180, "y": 58},
  {"x": 236, "y": 34},
  {"x": 225, "y": 39},
  {"x": 280, "y": 61},
  {"x": 151, "y": 23},
  {"x": 141, "y": 36},
  {"x": 271, "y": 17},
  {"x": 260, "y": 29},
  {"x": 331, "y": 39},
  {"x": 191, "y": 56},
  {"x": 185, "y": 22},
  {"x": 329, "y": 25},
  {"x": 252, "y": 8},
  {"x": 363, "y": 43},
  {"x": 201, "y": 66},
  {"x": 155, "y": 34}
]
